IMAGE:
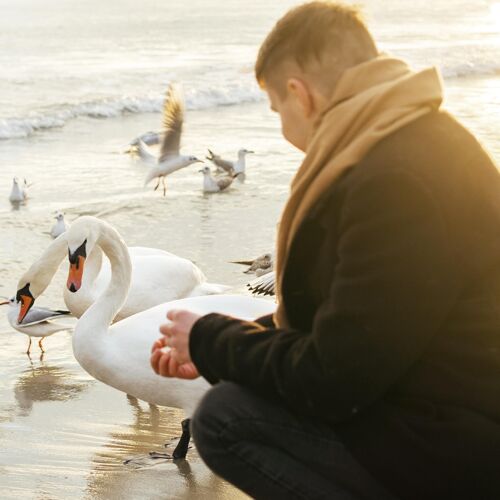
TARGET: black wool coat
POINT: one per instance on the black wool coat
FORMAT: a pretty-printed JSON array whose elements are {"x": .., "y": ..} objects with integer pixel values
[{"x": 392, "y": 290}]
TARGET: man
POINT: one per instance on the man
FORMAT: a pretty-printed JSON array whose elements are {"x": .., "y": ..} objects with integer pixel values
[{"x": 379, "y": 375}]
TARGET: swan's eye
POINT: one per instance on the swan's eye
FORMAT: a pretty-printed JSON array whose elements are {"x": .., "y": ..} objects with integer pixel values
[{"x": 79, "y": 252}]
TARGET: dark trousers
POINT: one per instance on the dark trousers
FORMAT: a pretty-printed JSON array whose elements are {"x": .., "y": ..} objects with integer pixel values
[{"x": 270, "y": 453}]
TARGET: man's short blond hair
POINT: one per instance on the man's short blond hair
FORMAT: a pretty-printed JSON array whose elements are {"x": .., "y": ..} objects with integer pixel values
[{"x": 322, "y": 38}]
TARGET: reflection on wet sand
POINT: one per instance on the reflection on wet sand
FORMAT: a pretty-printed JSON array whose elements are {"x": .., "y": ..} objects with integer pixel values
[
  {"x": 144, "y": 477},
  {"x": 46, "y": 383}
]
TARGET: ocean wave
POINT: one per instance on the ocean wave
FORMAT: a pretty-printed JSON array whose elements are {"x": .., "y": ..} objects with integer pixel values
[
  {"x": 57, "y": 117},
  {"x": 470, "y": 69},
  {"x": 196, "y": 99}
]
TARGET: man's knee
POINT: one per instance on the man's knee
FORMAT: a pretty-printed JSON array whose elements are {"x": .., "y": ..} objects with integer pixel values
[{"x": 214, "y": 413}]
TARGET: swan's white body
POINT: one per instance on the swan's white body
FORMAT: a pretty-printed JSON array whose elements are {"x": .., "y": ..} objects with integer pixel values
[
  {"x": 118, "y": 355},
  {"x": 157, "y": 276}
]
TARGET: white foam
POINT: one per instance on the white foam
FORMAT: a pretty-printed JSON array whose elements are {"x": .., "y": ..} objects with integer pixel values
[
  {"x": 196, "y": 99},
  {"x": 11, "y": 128}
]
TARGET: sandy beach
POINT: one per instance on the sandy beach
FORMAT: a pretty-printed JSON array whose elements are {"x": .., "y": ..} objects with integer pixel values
[{"x": 68, "y": 108}]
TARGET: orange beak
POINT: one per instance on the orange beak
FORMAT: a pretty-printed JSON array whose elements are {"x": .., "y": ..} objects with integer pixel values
[
  {"x": 75, "y": 274},
  {"x": 26, "y": 303}
]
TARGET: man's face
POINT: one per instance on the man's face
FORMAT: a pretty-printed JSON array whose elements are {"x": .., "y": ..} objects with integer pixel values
[{"x": 294, "y": 124}]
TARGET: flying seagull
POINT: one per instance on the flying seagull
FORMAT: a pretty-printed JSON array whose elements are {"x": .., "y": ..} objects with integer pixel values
[
  {"x": 150, "y": 138},
  {"x": 170, "y": 158}
]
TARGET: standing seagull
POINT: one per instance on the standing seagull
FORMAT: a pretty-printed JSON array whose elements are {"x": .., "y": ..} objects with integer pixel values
[
  {"x": 231, "y": 167},
  {"x": 170, "y": 158},
  {"x": 37, "y": 323},
  {"x": 261, "y": 265},
  {"x": 217, "y": 184},
  {"x": 18, "y": 194},
  {"x": 59, "y": 227}
]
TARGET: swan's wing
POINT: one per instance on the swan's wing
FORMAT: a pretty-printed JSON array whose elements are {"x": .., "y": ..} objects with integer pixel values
[
  {"x": 263, "y": 285},
  {"x": 224, "y": 182},
  {"x": 173, "y": 118},
  {"x": 145, "y": 153},
  {"x": 41, "y": 314}
]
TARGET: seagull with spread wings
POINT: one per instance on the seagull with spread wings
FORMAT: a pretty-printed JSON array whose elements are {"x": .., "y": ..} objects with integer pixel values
[
  {"x": 234, "y": 168},
  {"x": 170, "y": 158}
]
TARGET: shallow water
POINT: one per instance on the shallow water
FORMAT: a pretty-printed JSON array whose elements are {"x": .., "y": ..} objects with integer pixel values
[{"x": 66, "y": 113}]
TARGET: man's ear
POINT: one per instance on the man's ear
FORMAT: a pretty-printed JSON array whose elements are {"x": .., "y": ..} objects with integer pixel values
[{"x": 299, "y": 90}]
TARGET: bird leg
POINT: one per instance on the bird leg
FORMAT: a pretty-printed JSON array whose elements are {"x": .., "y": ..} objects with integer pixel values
[
  {"x": 40, "y": 344},
  {"x": 164, "y": 186},
  {"x": 182, "y": 446},
  {"x": 158, "y": 184},
  {"x": 29, "y": 347}
]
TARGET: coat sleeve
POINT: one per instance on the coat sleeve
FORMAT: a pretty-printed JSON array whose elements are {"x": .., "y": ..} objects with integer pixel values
[{"x": 394, "y": 283}]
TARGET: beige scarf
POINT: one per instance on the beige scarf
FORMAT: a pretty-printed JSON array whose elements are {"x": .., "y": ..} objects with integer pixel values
[{"x": 370, "y": 101}]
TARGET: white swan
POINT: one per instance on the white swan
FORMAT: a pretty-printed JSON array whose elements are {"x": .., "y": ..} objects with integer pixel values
[
  {"x": 157, "y": 276},
  {"x": 118, "y": 355}
]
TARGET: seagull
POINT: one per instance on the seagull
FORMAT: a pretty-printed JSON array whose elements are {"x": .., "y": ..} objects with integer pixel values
[
  {"x": 18, "y": 193},
  {"x": 261, "y": 265},
  {"x": 264, "y": 284},
  {"x": 231, "y": 167},
  {"x": 170, "y": 158},
  {"x": 150, "y": 138},
  {"x": 215, "y": 184},
  {"x": 59, "y": 227},
  {"x": 39, "y": 322}
]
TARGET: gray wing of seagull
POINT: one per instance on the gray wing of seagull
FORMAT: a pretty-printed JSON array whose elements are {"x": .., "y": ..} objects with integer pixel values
[
  {"x": 224, "y": 182},
  {"x": 41, "y": 314},
  {"x": 263, "y": 285},
  {"x": 173, "y": 118},
  {"x": 226, "y": 165}
]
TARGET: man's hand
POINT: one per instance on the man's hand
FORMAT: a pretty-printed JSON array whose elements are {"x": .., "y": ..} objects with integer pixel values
[{"x": 177, "y": 361}]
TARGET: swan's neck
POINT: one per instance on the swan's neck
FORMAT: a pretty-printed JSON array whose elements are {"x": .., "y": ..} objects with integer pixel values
[
  {"x": 42, "y": 271},
  {"x": 93, "y": 266},
  {"x": 93, "y": 325}
]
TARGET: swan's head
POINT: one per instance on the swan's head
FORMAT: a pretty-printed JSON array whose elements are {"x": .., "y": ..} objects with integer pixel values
[
  {"x": 81, "y": 237},
  {"x": 243, "y": 152},
  {"x": 25, "y": 296}
]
